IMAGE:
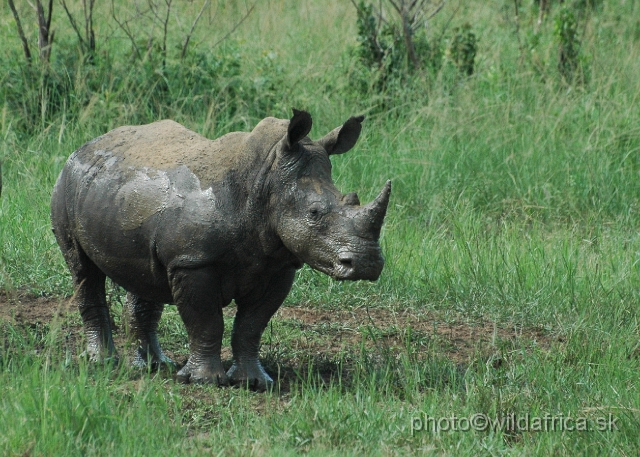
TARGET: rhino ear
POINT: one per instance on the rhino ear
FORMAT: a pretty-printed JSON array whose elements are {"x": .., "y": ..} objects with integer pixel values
[
  {"x": 343, "y": 138},
  {"x": 299, "y": 127}
]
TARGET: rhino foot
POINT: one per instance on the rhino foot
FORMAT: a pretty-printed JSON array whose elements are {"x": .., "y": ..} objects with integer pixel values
[
  {"x": 100, "y": 348},
  {"x": 199, "y": 375},
  {"x": 250, "y": 375},
  {"x": 98, "y": 357},
  {"x": 144, "y": 359}
]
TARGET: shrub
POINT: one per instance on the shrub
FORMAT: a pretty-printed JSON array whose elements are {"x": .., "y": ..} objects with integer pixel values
[
  {"x": 395, "y": 49},
  {"x": 566, "y": 34},
  {"x": 462, "y": 49}
]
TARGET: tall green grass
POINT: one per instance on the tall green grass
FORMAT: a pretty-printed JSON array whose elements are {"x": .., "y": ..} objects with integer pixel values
[
  {"x": 515, "y": 199},
  {"x": 53, "y": 407}
]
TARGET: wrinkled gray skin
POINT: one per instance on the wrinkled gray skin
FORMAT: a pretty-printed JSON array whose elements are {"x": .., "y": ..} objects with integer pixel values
[{"x": 173, "y": 217}]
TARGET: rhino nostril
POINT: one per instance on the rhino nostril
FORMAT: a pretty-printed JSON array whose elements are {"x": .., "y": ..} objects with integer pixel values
[{"x": 346, "y": 262}]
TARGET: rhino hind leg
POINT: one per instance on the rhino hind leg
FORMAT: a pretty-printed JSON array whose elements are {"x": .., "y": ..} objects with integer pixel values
[
  {"x": 251, "y": 319},
  {"x": 143, "y": 318},
  {"x": 88, "y": 281},
  {"x": 201, "y": 312},
  {"x": 91, "y": 301}
]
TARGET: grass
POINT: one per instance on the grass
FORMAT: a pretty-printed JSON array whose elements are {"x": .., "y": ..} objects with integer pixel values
[{"x": 515, "y": 205}]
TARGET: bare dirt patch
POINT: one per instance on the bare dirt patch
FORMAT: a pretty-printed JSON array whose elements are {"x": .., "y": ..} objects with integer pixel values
[
  {"x": 396, "y": 329},
  {"x": 21, "y": 308},
  {"x": 304, "y": 347},
  {"x": 326, "y": 341}
]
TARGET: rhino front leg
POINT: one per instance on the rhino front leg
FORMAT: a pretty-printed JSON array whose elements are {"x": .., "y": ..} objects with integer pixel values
[
  {"x": 143, "y": 317},
  {"x": 251, "y": 319},
  {"x": 201, "y": 312}
]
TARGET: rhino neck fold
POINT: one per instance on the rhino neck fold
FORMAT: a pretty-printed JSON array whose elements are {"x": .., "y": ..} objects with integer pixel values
[{"x": 258, "y": 205}]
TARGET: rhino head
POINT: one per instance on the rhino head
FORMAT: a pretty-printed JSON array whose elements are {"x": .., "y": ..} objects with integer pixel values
[{"x": 329, "y": 231}]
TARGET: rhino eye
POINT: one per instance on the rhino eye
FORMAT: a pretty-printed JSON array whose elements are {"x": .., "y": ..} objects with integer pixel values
[{"x": 315, "y": 211}]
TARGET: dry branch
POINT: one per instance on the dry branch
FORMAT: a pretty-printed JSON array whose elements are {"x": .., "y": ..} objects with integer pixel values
[
  {"x": 88, "y": 41},
  {"x": 193, "y": 27},
  {"x": 244, "y": 18},
  {"x": 23, "y": 38},
  {"x": 45, "y": 34},
  {"x": 124, "y": 26}
]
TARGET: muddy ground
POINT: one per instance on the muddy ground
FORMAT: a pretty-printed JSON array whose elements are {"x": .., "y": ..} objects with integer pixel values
[
  {"x": 302, "y": 344},
  {"x": 325, "y": 336}
]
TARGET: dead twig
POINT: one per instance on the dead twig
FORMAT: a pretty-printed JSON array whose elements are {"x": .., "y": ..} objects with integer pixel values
[
  {"x": 125, "y": 28},
  {"x": 88, "y": 41},
  {"x": 23, "y": 38},
  {"x": 165, "y": 32},
  {"x": 193, "y": 27},
  {"x": 45, "y": 34},
  {"x": 238, "y": 24}
]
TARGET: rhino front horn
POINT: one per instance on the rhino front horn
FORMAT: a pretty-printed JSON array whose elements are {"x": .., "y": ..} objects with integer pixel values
[{"x": 374, "y": 212}]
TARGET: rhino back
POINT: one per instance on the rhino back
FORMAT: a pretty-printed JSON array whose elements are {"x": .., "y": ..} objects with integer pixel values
[{"x": 165, "y": 145}]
